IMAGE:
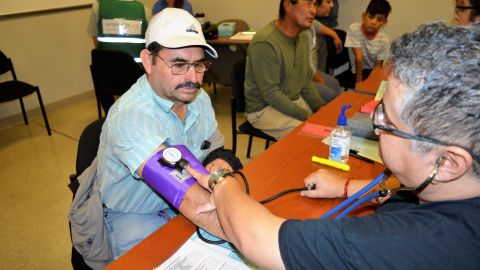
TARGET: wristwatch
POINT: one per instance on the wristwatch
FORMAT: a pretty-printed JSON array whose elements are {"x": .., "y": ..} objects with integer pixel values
[{"x": 217, "y": 177}]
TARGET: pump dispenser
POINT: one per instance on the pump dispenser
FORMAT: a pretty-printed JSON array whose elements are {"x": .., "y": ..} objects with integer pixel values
[{"x": 340, "y": 138}]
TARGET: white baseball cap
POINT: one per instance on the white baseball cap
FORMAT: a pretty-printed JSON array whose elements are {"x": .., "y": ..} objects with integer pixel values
[{"x": 176, "y": 28}]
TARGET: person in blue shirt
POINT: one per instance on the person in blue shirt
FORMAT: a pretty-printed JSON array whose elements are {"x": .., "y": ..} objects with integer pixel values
[
  {"x": 161, "y": 4},
  {"x": 165, "y": 107}
]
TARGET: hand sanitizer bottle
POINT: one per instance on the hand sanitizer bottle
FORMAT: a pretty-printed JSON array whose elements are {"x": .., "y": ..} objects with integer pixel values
[{"x": 340, "y": 138}]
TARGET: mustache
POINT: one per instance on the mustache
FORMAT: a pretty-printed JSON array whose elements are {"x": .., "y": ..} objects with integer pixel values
[{"x": 188, "y": 84}]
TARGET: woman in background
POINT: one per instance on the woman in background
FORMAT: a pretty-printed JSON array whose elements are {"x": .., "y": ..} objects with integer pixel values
[{"x": 161, "y": 4}]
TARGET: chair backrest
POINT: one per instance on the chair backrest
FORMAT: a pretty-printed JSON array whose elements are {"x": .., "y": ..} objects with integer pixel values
[
  {"x": 6, "y": 65},
  {"x": 237, "y": 102},
  {"x": 88, "y": 144},
  {"x": 237, "y": 81},
  {"x": 335, "y": 60},
  {"x": 114, "y": 72},
  {"x": 339, "y": 63}
]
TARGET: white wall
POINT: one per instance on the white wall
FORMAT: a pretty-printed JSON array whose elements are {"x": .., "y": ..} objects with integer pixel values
[
  {"x": 52, "y": 50},
  {"x": 255, "y": 12}
]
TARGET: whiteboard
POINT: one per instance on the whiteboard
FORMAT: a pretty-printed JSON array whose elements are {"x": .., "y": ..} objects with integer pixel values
[{"x": 15, "y": 7}]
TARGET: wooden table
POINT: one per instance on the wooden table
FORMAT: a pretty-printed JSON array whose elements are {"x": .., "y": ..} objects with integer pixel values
[
  {"x": 376, "y": 77},
  {"x": 283, "y": 166},
  {"x": 228, "y": 41}
]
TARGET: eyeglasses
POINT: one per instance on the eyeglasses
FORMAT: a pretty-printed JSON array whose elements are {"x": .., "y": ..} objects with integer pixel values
[
  {"x": 180, "y": 68},
  {"x": 459, "y": 9},
  {"x": 310, "y": 3},
  {"x": 379, "y": 122}
]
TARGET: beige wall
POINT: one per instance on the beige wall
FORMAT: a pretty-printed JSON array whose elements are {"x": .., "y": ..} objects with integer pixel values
[
  {"x": 405, "y": 17},
  {"x": 52, "y": 50}
]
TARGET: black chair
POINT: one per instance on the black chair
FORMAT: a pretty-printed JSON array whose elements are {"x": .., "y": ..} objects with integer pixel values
[
  {"x": 113, "y": 73},
  {"x": 86, "y": 152},
  {"x": 339, "y": 64},
  {"x": 15, "y": 89},
  {"x": 238, "y": 105}
]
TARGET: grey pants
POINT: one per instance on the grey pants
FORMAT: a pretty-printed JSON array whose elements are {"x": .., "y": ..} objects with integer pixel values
[{"x": 331, "y": 89}]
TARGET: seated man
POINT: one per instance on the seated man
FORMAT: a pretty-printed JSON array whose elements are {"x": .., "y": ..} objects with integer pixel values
[
  {"x": 279, "y": 90},
  {"x": 429, "y": 126},
  {"x": 328, "y": 86},
  {"x": 165, "y": 107}
]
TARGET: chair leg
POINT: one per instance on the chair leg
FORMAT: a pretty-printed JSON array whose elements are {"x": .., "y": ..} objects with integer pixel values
[
  {"x": 214, "y": 89},
  {"x": 267, "y": 144},
  {"x": 24, "y": 113},
  {"x": 234, "y": 142},
  {"x": 99, "y": 106},
  {"x": 250, "y": 139},
  {"x": 43, "y": 111}
]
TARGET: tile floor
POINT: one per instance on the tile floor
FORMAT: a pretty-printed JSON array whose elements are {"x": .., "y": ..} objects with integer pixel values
[{"x": 34, "y": 170}]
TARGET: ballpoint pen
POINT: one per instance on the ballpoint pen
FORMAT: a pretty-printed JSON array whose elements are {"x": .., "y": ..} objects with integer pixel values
[{"x": 354, "y": 153}]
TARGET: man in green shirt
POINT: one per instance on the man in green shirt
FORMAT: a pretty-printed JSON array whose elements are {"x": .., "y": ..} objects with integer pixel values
[{"x": 279, "y": 90}]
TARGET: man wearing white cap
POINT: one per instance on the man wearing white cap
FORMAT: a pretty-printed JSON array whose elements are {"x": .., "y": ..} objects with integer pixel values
[{"x": 163, "y": 108}]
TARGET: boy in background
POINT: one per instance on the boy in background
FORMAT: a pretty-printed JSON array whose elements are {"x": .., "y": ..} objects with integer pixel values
[{"x": 369, "y": 44}]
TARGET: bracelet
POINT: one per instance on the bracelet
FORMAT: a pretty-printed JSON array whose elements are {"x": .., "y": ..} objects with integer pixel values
[{"x": 345, "y": 188}]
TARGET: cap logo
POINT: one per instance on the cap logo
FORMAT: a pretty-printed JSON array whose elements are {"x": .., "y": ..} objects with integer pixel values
[{"x": 192, "y": 28}]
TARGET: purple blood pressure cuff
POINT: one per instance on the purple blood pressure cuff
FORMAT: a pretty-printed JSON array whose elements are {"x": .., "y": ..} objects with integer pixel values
[{"x": 170, "y": 182}]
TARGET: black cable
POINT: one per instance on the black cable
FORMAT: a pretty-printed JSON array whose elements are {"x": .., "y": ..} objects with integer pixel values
[
  {"x": 247, "y": 190},
  {"x": 244, "y": 178},
  {"x": 204, "y": 239},
  {"x": 283, "y": 193},
  {"x": 221, "y": 241}
]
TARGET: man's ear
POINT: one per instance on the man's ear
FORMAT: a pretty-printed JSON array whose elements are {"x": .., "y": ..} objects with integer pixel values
[
  {"x": 458, "y": 162},
  {"x": 146, "y": 60},
  {"x": 287, "y": 4}
]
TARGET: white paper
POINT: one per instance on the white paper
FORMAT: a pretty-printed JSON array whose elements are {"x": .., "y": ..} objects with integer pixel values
[
  {"x": 243, "y": 36},
  {"x": 364, "y": 147},
  {"x": 198, "y": 255},
  {"x": 122, "y": 27},
  {"x": 381, "y": 90}
]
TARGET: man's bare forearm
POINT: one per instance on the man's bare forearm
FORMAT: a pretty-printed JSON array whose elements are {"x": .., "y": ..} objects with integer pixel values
[{"x": 195, "y": 197}]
